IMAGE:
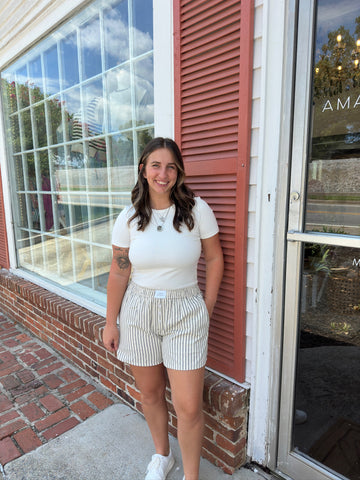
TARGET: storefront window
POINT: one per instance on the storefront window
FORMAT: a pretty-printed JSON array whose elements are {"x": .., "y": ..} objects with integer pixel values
[
  {"x": 79, "y": 108},
  {"x": 333, "y": 194}
]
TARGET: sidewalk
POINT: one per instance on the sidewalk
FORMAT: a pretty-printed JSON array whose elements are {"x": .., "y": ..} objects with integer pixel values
[{"x": 58, "y": 424}]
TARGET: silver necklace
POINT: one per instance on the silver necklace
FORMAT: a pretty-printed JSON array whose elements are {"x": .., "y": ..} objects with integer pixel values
[{"x": 161, "y": 219}]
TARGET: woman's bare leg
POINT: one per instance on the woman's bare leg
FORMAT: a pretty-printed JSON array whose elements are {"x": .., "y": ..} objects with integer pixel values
[
  {"x": 187, "y": 396},
  {"x": 151, "y": 381}
]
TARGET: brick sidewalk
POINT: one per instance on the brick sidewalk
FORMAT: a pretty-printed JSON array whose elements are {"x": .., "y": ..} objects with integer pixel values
[{"x": 41, "y": 396}]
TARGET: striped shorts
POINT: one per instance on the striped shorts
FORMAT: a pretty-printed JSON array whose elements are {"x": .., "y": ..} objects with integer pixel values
[{"x": 163, "y": 326}]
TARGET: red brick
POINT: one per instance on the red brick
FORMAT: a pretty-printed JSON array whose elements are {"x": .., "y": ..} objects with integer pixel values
[
  {"x": 7, "y": 359},
  {"x": 68, "y": 375},
  {"x": 50, "y": 368},
  {"x": 27, "y": 440},
  {"x": 36, "y": 393},
  {"x": 42, "y": 353},
  {"x": 11, "y": 428},
  {"x": 8, "y": 451},
  {"x": 26, "y": 376},
  {"x": 10, "y": 382},
  {"x": 60, "y": 428},
  {"x": 32, "y": 412},
  {"x": 226, "y": 444},
  {"x": 79, "y": 393},
  {"x": 53, "y": 381},
  {"x": 7, "y": 417},
  {"x": 23, "y": 338},
  {"x": 29, "y": 359},
  {"x": 72, "y": 386},
  {"x": 52, "y": 419},
  {"x": 10, "y": 343},
  {"x": 5, "y": 403},
  {"x": 82, "y": 409},
  {"x": 51, "y": 403},
  {"x": 99, "y": 400},
  {"x": 11, "y": 369}
]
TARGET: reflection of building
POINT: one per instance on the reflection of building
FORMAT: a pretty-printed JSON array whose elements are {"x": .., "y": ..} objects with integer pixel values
[{"x": 235, "y": 98}]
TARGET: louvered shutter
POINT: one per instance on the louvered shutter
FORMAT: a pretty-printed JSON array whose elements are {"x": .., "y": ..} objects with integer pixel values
[
  {"x": 4, "y": 253},
  {"x": 213, "y": 65}
]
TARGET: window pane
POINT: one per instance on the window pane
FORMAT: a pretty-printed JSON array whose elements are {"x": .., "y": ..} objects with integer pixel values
[
  {"x": 54, "y": 117},
  {"x": 94, "y": 109},
  {"x": 22, "y": 85},
  {"x": 36, "y": 80},
  {"x": 102, "y": 260},
  {"x": 39, "y": 126},
  {"x": 91, "y": 48},
  {"x": 78, "y": 110},
  {"x": 51, "y": 70},
  {"x": 69, "y": 59},
  {"x": 116, "y": 34},
  {"x": 18, "y": 170},
  {"x": 144, "y": 137},
  {"x": 22, "y": 211},
  {"x": 333, "y": 195},
  {"x": 122, "y": 151},
  {"x": 15, "y": 133},
  {"x": 72, "y": 128},
  {"x": 120, "y": 106},
  {"x": 144, "y": 91},
  {"x": 8, "y": 86},
  {"x": 27, "y": 130},
  {"x": 143, "y": 26}
]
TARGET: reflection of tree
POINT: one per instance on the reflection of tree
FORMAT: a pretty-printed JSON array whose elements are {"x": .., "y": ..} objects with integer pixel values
[
  {"x": 338, "y": 68},
  {"x": 17, "y": 96}
]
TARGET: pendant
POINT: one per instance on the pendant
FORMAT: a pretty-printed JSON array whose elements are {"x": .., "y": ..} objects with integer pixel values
[{"x": 159, "y": 228}]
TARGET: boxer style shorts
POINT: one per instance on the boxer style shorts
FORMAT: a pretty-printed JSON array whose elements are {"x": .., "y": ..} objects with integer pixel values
[{"x": 163, "y": 326}]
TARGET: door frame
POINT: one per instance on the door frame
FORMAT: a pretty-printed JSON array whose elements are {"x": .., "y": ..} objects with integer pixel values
[{"x": 290, "y": 463}]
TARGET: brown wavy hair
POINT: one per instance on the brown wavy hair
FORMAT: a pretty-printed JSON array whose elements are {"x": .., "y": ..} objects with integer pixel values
[{"x": 181, "y": 195}]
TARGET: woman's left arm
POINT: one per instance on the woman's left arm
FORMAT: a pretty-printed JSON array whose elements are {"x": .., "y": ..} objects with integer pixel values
[{"x": 214, "y": 269}]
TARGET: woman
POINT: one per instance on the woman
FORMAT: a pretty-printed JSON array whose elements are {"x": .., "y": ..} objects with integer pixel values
[{"x": 164, "y": 318}]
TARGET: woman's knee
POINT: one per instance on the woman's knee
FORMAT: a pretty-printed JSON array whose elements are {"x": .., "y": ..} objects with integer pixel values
[
  {"x": 189, "y": 412},
  {"x": 151, "y": 383},
  {"x": 152, "y": 396}
]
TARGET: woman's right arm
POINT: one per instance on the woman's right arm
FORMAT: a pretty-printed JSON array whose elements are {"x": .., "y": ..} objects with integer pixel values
[{"x": 118, "y": 280}]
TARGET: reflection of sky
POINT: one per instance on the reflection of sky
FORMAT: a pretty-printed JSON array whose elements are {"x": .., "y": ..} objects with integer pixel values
[
  {"x": 116, "y": 43},
  {"x": 331, "y": 15}
]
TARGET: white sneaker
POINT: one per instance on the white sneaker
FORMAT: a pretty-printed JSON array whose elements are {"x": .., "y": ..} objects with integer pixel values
[{"x": 159, "y": 466}]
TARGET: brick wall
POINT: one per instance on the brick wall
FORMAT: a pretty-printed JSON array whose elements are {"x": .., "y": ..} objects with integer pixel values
[{"x": 75, "y": 333}]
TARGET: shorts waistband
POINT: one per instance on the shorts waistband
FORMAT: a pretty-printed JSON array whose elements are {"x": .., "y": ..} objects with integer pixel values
[{"x": 158, "y": 293}]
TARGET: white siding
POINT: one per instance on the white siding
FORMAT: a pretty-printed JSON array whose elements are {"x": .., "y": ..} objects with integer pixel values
[{"x": 254, "y": 173}]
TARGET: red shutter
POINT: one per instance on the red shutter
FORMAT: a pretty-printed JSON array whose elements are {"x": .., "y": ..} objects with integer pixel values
[
  {"x": 4, "y": 252},
  {"x": 213, "y": 74}
]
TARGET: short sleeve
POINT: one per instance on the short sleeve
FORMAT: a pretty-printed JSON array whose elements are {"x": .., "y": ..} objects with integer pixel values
[
  {"x": 121, "y": 231},
  {"x": 208, "y": 225}
]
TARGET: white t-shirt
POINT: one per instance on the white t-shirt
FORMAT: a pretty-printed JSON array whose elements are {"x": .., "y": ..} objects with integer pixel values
[{"x": 167, "y": 259}]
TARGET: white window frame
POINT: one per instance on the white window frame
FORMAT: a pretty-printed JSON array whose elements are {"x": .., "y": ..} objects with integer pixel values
[{"x": 56, "y": 13}]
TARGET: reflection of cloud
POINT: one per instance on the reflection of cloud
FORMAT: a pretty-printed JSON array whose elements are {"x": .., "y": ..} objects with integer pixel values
[
  {"x": 90, "y": 35},
  {"x": 117, "y": 37},
  {"x": 334, "y": 13},
  {"x": 143, "y": 41}
]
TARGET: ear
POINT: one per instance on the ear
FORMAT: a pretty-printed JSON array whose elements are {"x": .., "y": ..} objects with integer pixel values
[{"x": 141, "y": 166}]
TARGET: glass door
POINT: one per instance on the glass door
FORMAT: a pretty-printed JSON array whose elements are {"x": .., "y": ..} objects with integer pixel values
[{"x": 319, "y": 431}]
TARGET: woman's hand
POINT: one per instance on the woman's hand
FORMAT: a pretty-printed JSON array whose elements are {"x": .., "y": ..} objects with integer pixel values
[
  {"x": 111, "y": 338},
  {"x": 214, "y": 270}
]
